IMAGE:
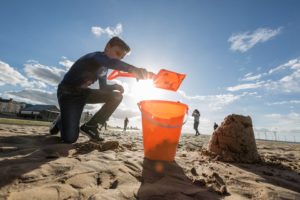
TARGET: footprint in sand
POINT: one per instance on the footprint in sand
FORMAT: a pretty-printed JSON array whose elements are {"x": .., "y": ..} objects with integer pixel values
[
  {"x": 94, "y": 145},
  {"x": 8, "y": 149},
  {"x": 107, "y": 180}
]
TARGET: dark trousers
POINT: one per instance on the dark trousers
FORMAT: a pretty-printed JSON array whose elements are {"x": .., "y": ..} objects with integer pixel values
[
  {"x": 72, "y": 101},
  {"x": 125, "y": 126},
  {"x": 196, "y": 124}
]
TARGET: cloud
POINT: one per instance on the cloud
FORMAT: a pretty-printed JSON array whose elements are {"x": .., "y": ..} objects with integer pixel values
[
  {"x": 66, "y": 63},
  {"x": 33, "y": 96},
  {"x": 10, "y": 76},
  {"x": 250, "y": 77},
  {"x": 287, "y": 79},
  {"x": 283, "y": 102},
  {"x": 215, "y": 102},
  {"x": 245, "y": 86},
  {"x": 121, "y": 113},
  {"x": 281, "y": 121},
  {"x": 45, "y": 74},
  {"x": 244, "y": 41},
  {"x": 293, "y": 64},
  {"x": 290, "y": 82},
  {"x": 34, "y": 84},
  {"x": 110, "y": 31}
]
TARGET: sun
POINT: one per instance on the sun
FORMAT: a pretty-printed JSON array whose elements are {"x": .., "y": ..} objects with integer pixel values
[{"x": 145, "y": 90}]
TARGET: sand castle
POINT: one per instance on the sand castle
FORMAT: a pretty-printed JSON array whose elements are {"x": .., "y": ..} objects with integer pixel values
[{"x": 234, "y": 140}]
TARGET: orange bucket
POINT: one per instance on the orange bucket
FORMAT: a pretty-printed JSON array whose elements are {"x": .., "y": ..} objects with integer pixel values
[{"x": 162, "y": 122}]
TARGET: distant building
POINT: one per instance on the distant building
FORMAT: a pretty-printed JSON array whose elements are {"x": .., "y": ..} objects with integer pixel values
[
  {"x": 13, "y": 109},
  {"x": 41, "y": 112},
  {"x": 11, "y": 106}
]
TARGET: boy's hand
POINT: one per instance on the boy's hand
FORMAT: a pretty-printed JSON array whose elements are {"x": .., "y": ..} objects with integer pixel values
[
  {"x": 140, "y": 73},
  {"x": 119, "y": 88}
]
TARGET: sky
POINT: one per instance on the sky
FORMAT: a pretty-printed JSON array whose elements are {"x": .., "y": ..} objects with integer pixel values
[{"x": 239, "y": 57}]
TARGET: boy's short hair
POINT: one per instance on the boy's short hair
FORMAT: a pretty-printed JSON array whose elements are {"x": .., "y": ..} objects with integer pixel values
[{"x": 116, "y": 41}]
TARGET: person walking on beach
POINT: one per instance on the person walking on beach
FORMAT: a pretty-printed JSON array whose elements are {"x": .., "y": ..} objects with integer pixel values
[
  {"x": 196, "y": 115},
  {"x": 73, "y": 91},
  {"x": 125, "y": 123}
]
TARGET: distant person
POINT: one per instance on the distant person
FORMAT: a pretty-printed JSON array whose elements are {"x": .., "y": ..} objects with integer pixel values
[
  {"x": 125, "y": 123},
  {"x": 215, "y": 126},
  {"x": 73, "y": 91},
  {"x": 196, "y": 115}
]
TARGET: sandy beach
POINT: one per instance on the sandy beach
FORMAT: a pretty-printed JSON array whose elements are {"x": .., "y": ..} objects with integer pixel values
[{"x": 35, "y": 165}]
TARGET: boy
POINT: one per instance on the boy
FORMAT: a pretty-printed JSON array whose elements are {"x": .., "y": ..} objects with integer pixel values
[{"x": 73, "y": 92}]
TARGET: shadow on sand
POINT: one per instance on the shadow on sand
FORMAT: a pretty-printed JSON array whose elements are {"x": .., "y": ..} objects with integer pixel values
[
  {"x": 275, "y": 174},
  {"x": 162, "y": 180},
  {"x": 22, "y": 154}
]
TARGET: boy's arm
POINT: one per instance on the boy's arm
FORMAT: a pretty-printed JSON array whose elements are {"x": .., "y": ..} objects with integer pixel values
[
  {"x": 114, "y": 63},
  {"x": 122, "y": 66},
  {"x": 103, "y": 85},
  {"x": 102, "y": 82}
]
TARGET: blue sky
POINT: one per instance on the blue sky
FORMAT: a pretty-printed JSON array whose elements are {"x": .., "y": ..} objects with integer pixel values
[{"x": 239, "y": 56}]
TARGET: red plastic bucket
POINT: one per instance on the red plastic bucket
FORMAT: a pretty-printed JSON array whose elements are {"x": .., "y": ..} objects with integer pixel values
[{"x": 161, "y": 122}]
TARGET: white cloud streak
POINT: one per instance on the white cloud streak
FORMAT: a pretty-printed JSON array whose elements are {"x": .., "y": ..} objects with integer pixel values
[
  {"x": 66, "y": 63},
  {"x": 110, "y": 31},
  {"x": 10, "y": 76},
  {"x": 292, "y": 64},
  {"x": 289, "y": 82},
  {"x": 283, "y": 102},
  {"x": 250, "y": 77},
  {"x": 244, "y": 41},
  {"x": 284, "y": 121},
  {"x": 215, "y": 102},
  {"x": 245, "y": 86},
  {"x": 49, "y": 75},
  {"x": 33, "y": 96}
]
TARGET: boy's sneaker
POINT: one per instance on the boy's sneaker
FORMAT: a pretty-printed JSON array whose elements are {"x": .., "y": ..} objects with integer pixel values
[
  {"x": 91, "y": 131},
  {"x": 53, "y": 129}
]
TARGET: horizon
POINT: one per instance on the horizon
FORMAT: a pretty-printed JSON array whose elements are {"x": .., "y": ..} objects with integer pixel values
[{"x": 239, "y": 57}]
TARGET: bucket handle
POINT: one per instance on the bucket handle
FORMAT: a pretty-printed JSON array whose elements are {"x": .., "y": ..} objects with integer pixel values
[{"x": 151, "y": 119}]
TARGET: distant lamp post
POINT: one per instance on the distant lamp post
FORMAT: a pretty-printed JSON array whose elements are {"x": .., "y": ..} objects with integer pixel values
[
  {"x": 275, "y": 134},
  {"x": 265, "y": 135}
]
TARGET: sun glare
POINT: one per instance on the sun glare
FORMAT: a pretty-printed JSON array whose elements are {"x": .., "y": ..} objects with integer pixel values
[{"x": 145, "y": 90}]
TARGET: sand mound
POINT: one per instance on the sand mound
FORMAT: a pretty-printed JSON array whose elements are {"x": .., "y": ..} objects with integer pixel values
[{"x": 234, "y": 140}]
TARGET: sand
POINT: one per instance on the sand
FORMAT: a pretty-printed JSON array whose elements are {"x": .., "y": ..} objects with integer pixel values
[{"x": 34, "y": 165}]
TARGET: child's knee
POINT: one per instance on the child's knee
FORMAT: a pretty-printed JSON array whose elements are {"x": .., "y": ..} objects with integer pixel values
[{"x": 118, "y": 97}]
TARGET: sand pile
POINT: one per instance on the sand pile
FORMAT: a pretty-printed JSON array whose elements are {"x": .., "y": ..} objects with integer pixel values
[{"x": 234, "y": 140}]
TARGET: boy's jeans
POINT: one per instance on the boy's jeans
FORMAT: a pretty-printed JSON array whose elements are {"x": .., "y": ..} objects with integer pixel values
[{"x": 72, "y": 101}]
